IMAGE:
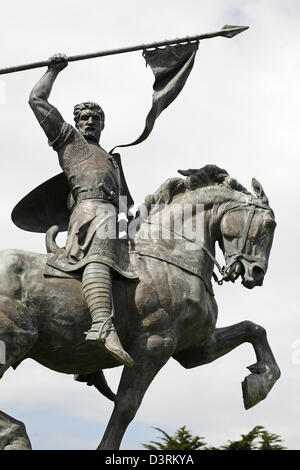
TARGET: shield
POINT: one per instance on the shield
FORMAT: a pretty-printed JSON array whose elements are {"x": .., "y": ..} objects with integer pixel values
[{"x": 45, "y": 206}]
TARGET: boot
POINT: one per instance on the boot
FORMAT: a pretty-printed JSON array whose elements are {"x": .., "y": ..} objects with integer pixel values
[
  {"x": 104, "y": 332},
  {"x": 97, "y": 291}
]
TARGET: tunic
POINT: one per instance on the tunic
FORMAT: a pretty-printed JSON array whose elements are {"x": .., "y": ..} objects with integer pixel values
[{"x": 95, "y": 187}]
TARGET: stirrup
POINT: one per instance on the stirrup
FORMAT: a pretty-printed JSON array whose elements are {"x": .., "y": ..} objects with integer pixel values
[
  {"x": 111, "y": 342},
  {"x": 95, "y": 333}
]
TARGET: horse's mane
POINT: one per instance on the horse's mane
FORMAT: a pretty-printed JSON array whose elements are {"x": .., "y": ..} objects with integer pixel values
[{"x": 209, "y": 175}]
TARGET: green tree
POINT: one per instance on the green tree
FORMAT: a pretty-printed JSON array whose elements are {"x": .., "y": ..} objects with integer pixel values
[
  {"x": 269, "y": 441},
  {"x": 257, "y": 439},
  {"x": 182, "y": 440},
  {"x": 247, "y": 441}
]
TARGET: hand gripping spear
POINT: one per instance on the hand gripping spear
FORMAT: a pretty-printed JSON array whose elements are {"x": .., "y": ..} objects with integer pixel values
[{"x": 228, "y": 31}]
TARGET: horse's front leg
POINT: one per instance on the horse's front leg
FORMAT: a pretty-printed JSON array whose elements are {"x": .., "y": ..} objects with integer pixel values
[
  {"x": 150, "y": 353},
  {"x": 264, "y": 373}
]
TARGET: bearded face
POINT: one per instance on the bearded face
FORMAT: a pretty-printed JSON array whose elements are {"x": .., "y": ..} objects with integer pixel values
[{"x": 90, "y": 124}]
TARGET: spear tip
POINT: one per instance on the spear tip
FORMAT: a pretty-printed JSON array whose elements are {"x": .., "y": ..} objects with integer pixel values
[{"x": 229, "y": 31}]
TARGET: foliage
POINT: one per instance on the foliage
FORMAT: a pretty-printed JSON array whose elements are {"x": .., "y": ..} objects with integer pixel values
[
  {"x": 257, "y": 439},
  {"x": 270, "y": 441},
  {"x": 182, "y": 440},
  {"x": 247, "y": 441}
]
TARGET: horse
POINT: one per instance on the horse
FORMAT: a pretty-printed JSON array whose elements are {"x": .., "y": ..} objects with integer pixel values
[{"x": 169, "y": 311}]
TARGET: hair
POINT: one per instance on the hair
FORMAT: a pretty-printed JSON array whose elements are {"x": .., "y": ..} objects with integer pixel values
[
  {"x": 88, "y": 105},
  {"x": 209, "y": 175}
]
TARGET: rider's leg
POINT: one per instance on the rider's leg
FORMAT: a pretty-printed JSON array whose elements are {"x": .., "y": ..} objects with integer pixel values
[{"x": 97, "y": 291}]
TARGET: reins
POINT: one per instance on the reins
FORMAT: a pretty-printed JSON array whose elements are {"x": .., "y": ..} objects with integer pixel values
[
  {"x": 239, "y": 252},
  {"x": 232, "y": 256}
]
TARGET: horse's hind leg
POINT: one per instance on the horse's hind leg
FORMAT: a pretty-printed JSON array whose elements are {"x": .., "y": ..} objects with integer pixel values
[
  {"x": 17, "y": 336},
  {"x": 264, "y": 373},
  {"x": 13, "y": 435},
  {"x": 150, "y": 353}
]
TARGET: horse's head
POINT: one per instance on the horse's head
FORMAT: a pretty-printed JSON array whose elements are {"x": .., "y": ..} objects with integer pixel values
[{"x": 246, "y": 238}]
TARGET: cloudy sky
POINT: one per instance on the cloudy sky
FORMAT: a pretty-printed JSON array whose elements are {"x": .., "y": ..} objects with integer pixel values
[{"x": 239, "y": 110}]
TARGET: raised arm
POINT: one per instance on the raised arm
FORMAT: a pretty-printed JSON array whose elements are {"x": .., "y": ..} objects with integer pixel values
[{"x": 48, "y": 116}]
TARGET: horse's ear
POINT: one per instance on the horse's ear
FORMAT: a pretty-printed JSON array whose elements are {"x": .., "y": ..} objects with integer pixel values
[
  {"x": 187, "y": 172},
  {"x": 258, "y": 189}
]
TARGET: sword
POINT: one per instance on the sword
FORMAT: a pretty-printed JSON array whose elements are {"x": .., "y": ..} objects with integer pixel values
[{"x": 228, "y": 31}]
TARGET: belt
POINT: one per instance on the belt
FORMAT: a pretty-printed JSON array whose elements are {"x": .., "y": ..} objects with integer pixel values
[
  {"x": 102, "y": 192},
  {"x": 92, "y": 195}
]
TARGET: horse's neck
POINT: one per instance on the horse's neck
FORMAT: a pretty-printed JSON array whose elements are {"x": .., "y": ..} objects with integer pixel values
[
  {"x": 201, "y": 211},
  {"x": 180, "y": 229}
]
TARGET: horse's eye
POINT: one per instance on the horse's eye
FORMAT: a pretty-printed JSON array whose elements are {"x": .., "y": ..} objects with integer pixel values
[{"x": 270, "y": 224}]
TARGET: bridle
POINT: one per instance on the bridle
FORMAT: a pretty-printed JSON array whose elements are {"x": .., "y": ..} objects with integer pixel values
[{"x": 239, "y": 253}]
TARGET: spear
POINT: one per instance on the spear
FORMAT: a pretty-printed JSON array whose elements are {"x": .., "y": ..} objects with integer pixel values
[{"x": 228, "y": 31}]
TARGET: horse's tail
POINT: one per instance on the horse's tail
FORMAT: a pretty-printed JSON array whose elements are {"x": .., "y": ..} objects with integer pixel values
[{"x": 98, "y": 380}]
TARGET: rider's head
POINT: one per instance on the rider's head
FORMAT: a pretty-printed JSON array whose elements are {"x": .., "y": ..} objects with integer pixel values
[{"x": 89, "y": 120}]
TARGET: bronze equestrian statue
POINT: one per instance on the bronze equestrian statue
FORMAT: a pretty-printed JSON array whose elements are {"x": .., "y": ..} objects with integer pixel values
[{"x": 104, "y": 300}]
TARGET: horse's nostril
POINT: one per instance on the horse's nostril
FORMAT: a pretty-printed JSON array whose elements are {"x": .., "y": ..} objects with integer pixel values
[{"x": 257, "y": 273}]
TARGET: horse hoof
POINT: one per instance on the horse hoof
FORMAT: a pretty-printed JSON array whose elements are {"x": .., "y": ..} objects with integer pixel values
[
  {"x": 257, "y": 385},
  {"x": 254, "y": 390}
]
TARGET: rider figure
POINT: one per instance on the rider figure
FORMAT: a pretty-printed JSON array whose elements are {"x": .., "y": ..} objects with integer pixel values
[{"x": 95, "y": 184}]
